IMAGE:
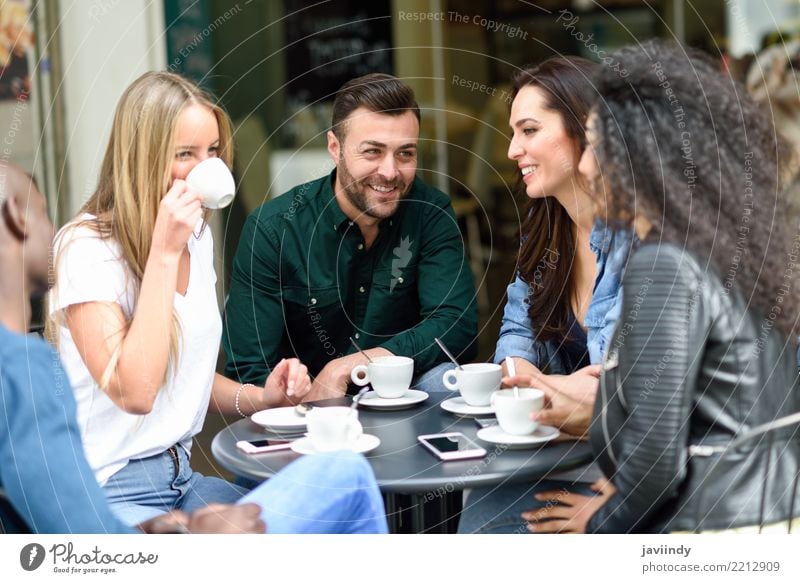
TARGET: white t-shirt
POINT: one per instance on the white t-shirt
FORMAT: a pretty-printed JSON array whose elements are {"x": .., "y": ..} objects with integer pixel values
[{"x": 91, "y": 269}]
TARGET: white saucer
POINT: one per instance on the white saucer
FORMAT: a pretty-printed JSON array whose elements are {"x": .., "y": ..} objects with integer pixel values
[
  {"x": 365, "y": 443},
  {"x": 459, "y": 406},
  {"x": 409, "y": 399},
  {"x": 495, "y": 434},
  {"x": 280, "y": 419}
]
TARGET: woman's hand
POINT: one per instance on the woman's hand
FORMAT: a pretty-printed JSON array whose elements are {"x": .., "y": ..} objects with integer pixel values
[
  {"x": 565, "y": 512},
  {"x": 288, "y": 381},
  {"x": 178, "y": 215},
  {"x": 569, "y": 399}
]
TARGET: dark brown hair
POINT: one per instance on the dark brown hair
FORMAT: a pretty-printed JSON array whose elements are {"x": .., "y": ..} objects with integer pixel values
[
  {"x": 548, "y": 241},
  {"x": 377, "y": 92}
]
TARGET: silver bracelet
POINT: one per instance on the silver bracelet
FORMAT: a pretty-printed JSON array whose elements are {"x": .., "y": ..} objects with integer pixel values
[{"x": 238, "y": 394}]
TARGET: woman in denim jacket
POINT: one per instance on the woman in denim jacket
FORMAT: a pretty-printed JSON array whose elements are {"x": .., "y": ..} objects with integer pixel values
[{"x": 565, "y": 300}]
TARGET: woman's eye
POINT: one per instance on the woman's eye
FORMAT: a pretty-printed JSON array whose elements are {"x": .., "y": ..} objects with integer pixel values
[
  {"x": 530, "y": 131},
  {"x": 183, "y": 155},
  {"x": 213, "y": 151}
]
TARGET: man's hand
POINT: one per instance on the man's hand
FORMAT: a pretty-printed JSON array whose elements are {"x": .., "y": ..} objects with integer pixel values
[
  {"x": 227, "y": 519},
  {"x": 174, "y": 522},
  {"x": 213, "y": 519},
  {"x": 332, "y": 381}
]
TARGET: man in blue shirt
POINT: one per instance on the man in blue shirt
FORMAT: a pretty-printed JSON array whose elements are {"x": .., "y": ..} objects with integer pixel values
[{"x": 46, "y": 484}]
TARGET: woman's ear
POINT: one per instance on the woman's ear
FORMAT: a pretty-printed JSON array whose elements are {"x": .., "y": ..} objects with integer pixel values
[{"x": 14, "y": 218}]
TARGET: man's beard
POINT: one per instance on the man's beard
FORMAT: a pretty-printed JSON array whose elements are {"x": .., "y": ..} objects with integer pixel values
[{"x": 355, "y": 191}]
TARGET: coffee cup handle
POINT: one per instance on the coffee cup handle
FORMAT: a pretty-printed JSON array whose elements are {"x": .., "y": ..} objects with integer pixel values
[
  {"x": 450, "y": 381},
  {"x": 355, "y": 375}
]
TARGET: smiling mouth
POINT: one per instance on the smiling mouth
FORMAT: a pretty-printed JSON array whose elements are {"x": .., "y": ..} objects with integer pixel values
[
  {"x": 382, "y": 189},
  {"x": 529, "y": 170}
]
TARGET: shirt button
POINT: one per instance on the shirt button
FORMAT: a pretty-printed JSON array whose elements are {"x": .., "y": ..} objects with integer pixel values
[
  {"x": 361, "y": 289},
  {"x": 357, "y": 335},
  {"x": 360, "y": 246},
  {"x": 399, "y": 280},
  {"x": 313, "y": 301}
]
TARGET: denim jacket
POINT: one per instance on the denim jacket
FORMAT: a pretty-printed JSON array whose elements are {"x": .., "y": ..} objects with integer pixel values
[{"x": 517, "y": 337}]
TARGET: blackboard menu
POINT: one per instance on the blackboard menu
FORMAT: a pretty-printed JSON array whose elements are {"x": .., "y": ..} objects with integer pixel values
[{"x": 333, "y": 42}]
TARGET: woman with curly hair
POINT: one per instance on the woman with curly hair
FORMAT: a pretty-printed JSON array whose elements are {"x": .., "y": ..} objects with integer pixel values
[{"x": 704, "y": 351}]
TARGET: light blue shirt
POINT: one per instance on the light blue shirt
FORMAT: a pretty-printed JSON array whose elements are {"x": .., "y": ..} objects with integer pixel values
[
  {"x": 517, "y": 337},
  {"x": 43, "y": 468}
]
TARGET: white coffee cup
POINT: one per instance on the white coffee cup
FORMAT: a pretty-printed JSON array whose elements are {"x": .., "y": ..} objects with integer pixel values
[
  {"x": 476, "y": 382},
  {"x": 390, "y": 376},
  {"x": 214, "y": 181},
  {"x": 333, "y": 428},
  {"x": 514, "y": 413}
]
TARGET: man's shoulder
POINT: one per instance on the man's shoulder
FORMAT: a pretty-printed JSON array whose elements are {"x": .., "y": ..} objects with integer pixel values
[
  {"x": 288, "y": 204},
  {"x": 26, "y": 350}
]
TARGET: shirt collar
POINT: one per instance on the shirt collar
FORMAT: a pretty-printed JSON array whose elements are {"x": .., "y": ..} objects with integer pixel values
[
  {"x": 332, "y": 214},
  {"x": 600, "y": 238}
]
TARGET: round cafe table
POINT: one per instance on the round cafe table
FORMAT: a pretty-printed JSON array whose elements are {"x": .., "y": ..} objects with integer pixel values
[{"x": 403, "y": 466}]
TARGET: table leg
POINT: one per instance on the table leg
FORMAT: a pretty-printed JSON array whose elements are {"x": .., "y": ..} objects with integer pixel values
[{"x": 394, "y": 512}]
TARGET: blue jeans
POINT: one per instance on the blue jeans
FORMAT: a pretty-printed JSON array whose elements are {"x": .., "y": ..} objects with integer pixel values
[
  {"x": 431, "y": 380},
  {"x": 151, "y": 486},
  {"x": 498, "y": 510},
  {"x": 322, "y": 494}
]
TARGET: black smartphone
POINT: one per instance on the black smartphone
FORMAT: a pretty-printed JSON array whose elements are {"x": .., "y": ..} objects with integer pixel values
[{"x": 485, "y": 421}]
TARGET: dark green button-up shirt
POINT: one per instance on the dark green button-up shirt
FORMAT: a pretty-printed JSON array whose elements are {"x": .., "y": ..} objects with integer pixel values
[{"x": 303, "y": 282}]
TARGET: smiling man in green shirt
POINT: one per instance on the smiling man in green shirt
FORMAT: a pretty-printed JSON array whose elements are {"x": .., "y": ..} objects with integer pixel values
[{"x": 369, "y": 251}]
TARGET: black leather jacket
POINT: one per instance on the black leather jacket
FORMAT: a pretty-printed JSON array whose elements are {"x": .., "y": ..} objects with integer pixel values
[{"x": 690, "y": 364}]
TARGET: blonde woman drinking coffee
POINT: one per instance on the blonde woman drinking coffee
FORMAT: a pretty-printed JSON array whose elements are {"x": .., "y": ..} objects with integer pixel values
[{"x": 134, "y": 310}]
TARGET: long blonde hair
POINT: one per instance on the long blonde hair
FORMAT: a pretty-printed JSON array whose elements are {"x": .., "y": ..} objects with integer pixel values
[{"x": 135, "y": 175}]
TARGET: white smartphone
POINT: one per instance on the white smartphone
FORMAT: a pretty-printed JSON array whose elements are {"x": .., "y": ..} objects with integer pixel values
[
  {"x": 263, "y": 445},
  {"x": 451, "y": 446}
]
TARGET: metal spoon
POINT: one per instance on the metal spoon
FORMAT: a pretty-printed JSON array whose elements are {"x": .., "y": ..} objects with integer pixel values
[
  {"x": 512, "y": 371},
  {"x": 447, "y": 352},
  {"x": 357, "y": 347},
  {"x": 358, "y": 396}
]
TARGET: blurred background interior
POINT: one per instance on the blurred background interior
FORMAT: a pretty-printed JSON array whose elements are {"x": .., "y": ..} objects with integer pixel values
[{"x": 276, "y": 64}]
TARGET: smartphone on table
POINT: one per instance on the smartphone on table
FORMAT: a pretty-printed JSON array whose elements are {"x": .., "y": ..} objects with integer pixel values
[
  {"x": 483, "y": 422},
  {"x": 263, "y": 445},
  {"x": 451, "y": 446}
]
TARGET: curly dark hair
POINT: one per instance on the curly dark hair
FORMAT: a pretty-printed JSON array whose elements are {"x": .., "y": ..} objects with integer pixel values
[
  {"x": 548, "y": 231},
  {"x": 681, "y": 143}
]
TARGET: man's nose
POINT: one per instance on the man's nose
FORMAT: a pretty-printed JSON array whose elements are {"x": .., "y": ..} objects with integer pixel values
[{"x": 388, "y": 168}]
